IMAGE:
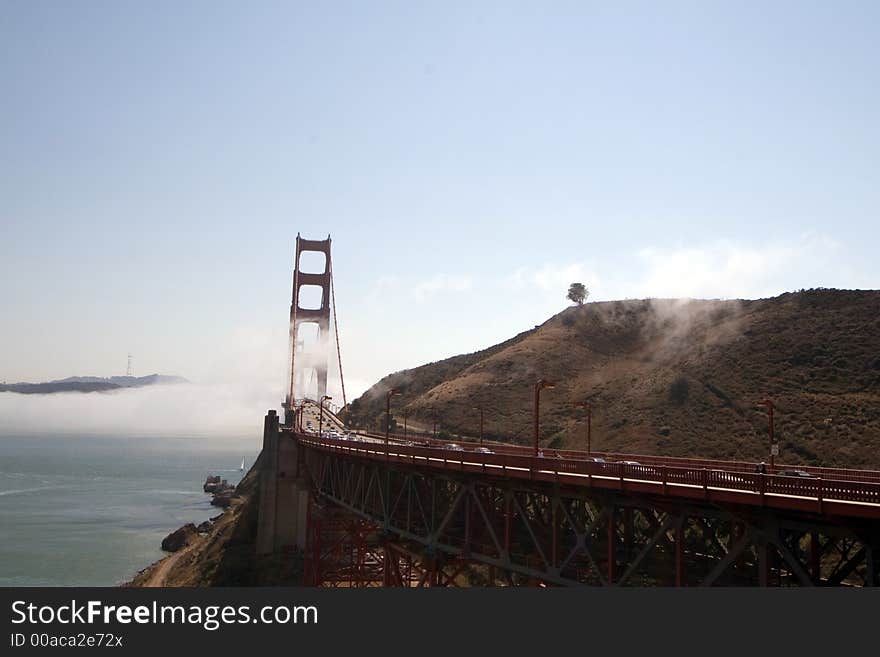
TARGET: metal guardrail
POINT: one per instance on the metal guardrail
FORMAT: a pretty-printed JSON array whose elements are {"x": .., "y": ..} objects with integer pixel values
[
  {"x": 844, "y": 474},
  {"x": 745, "y": 467},
  {"x": 663, "y": 475}
]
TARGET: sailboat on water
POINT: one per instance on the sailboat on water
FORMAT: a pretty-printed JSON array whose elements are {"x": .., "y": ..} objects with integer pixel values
[{"x": 241, "y": 469}]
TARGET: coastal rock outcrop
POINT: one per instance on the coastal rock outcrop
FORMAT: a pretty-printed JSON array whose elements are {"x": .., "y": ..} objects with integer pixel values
[
  {"x": 212, "y": 483},
  {"x": 221, "y": 489},
  {"x": 179, "y": 538},
  {"x": 223, "y": 498}
]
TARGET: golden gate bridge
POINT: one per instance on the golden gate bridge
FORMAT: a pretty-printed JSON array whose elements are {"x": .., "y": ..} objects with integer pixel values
[{"x": 380, "y": 509}]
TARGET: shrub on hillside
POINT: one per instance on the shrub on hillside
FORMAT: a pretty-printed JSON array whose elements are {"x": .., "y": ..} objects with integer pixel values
[{"x": 679, "y": 390}]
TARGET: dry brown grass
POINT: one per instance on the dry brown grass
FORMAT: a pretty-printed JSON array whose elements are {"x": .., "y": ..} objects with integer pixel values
[{"x": 677, "y": 377}]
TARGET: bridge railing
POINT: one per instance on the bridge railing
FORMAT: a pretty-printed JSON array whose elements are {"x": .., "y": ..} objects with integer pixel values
[
  {"x": 668, "y": 479},
  {"x": 734, "y": 466},
  {"x": 745, "y": 467}
]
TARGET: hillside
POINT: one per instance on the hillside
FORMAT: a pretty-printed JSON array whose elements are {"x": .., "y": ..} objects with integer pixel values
[
  {"x": 675, "y": 377},
  {"x": 90, "y": 384}
]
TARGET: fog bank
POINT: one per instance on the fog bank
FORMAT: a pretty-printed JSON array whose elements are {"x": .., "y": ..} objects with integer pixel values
[{"x": 181, "y": 410}]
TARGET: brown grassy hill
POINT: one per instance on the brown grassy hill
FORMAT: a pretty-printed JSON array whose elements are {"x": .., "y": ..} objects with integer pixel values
[{"x": 676, "y": 377}]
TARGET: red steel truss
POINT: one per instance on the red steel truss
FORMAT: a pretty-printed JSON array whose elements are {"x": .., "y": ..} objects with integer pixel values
[{"x": 416, "y": 516}]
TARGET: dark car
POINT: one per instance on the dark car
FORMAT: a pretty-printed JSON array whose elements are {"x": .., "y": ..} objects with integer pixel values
[{"x": 602, "y": 464}]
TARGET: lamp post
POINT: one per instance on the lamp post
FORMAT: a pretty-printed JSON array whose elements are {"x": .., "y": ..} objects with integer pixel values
[
  {"x": 404, "y": 424},
  {"x": 434, "y": 417},
  {"x": 770, "y": 406},
  {"x": 388, "y": 395},
  {"x": 539, "y": 386},
  {"x": 480, "y": 408},
  {"x": 321, "y": 415},
  {"x": 289, "y": 413},
  {"x": 589, "y": 410}
]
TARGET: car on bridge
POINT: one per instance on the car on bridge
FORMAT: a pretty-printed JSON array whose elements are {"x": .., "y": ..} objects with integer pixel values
[
  {"x": 796, "y": 473},
  {"x": 483, "y": 450},
  {"x": 599, "y": 461}
]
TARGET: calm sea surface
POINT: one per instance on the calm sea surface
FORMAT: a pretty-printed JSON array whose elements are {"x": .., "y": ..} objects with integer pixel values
[{"x": 92, "y": 511}]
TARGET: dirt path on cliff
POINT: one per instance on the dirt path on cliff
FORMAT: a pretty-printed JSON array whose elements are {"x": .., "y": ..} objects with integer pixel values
[{"x": 158, "y": 576}]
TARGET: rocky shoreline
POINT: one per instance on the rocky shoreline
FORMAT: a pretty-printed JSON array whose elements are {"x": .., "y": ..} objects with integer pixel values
[
  {"x": 221, "y": 551},
  {"x": 221, "y": 492},
  {"x": 220, "y": 489}
]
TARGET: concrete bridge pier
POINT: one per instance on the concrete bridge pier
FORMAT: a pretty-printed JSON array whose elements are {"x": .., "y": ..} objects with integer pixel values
[
  {"x": 284, "y": 492},
  {"x": 872, "y": 560}
]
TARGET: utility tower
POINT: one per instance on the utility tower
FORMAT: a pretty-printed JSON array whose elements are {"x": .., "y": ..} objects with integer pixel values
[
  {"x": 128, "y": 367},
  {"x": 308, "y": 361}
]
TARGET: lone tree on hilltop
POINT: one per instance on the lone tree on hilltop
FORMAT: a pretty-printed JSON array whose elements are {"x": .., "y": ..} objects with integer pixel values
[{"x": 578, "y": 293}]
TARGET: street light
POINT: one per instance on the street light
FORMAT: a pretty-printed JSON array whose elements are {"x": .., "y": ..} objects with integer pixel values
[
  {"x": 388, "y": 395},
  {"x": 434, "y": 417},
  {"x": 773, "y": 447},
  {"x": 480, "y": 408},
  {"x": 289, "y": 413},
  {"x": 539, "y": 386},
  {"x": 589, "y": 409},
  {"x": 404, "y": 424},
  {"x": 321, "y": 415}
]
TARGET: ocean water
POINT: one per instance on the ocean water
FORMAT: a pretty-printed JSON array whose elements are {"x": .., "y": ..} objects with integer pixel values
[{"x": 92, "y": 511}]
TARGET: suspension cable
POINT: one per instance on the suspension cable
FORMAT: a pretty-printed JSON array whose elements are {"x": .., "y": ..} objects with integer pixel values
[{"x": 336, "y": 328}]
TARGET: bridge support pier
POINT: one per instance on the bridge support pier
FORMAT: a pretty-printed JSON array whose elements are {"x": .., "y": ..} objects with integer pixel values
[
  {"x": 627, "y": 532},
  {"x": 679, "y": 551},
  {"x": 284, "y": 493},
  {"x": 815, "y": 558},
  {"x": 872, "y": 562},
  {"x": 612, "y": 539}
]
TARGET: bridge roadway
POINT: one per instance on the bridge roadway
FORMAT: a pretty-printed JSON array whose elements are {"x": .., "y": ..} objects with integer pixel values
[
  {"x": 688, "y": 463},
  {"x": 848, "y": 493},
  {"x": 564, "y": 518}
]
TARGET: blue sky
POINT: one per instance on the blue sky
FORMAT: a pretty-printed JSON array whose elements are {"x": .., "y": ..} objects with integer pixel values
[{"x": 470, "y": 160}]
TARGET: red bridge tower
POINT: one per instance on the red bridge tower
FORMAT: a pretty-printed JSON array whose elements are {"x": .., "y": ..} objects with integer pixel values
[{"x": 309, "y": 360}]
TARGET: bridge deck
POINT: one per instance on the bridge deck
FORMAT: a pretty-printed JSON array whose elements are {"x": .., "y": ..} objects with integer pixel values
[{"x": 833, "y": 492}]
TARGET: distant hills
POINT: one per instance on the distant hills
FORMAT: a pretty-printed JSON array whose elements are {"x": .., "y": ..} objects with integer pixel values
[
  {"x": 677, "y": 377},
  {"x": 90, "y": 384}
]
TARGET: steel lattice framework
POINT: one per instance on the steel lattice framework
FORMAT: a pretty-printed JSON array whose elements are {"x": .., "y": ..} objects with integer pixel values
[{"x": 382, "y": 516}]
